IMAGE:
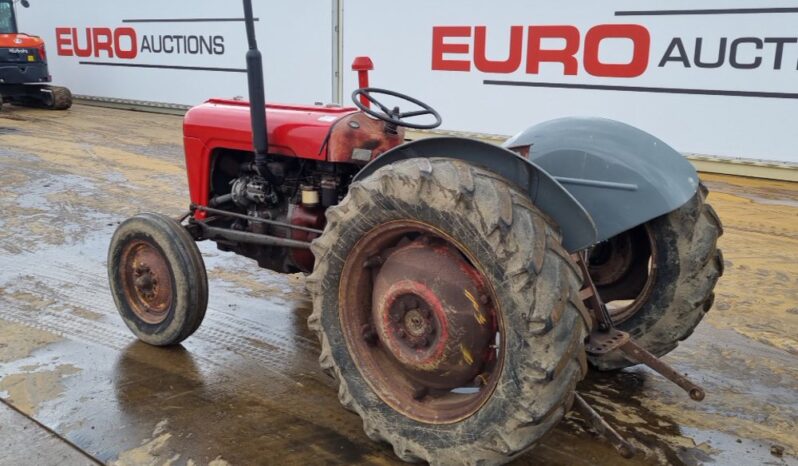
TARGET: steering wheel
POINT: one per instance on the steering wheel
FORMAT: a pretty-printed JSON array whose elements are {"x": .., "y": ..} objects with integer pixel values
[{"x": 395, "y": 117}]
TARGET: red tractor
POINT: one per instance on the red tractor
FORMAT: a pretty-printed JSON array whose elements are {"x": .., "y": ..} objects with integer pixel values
[
  {"x": 460, "y": 289},
  {"x": 24, "y": 75}
]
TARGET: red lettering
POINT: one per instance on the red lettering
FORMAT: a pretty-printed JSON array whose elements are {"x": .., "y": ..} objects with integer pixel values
[
  {"x": 130, "y": 34},
  {"x": 536, "y": 55},
  {"x": 121, "y": 42},
  {"x": 63, "y": 42},
  {"x": 513, "y": 61},
  {"x": 79, "y": 51},
  {"x": 641, "y": 41},
  {"x": 440, "y": 47},
  {"x": 103, "y": 41}
]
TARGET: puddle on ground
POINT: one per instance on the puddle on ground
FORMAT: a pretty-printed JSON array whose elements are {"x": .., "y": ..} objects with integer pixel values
[{"x": 248, "y": 383}]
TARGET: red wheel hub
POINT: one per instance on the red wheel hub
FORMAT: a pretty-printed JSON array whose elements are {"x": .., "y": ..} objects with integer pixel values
[
  {"x": 421, "y": 321},
  {"x": 428, "y": 309},
  {"x": 146, "y": 281}
]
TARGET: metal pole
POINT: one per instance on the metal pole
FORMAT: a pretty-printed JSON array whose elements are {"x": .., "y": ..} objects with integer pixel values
[
  {"x": 337, "y": 46},
  {"x": 257, "y": 93}
]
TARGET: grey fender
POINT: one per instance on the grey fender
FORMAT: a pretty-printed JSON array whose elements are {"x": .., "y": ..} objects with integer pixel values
[
  {"x": 577, "y": 228},
  {"x": 622, "y": 175}
]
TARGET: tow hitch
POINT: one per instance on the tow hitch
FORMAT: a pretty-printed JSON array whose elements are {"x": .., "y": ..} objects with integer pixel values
[{"x": 604, "y": 338}]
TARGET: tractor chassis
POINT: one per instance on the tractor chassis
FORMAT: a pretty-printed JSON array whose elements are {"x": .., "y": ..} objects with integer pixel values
[
  {"x": 200, "y": 230},
  {"x": 604, "y": 336}
]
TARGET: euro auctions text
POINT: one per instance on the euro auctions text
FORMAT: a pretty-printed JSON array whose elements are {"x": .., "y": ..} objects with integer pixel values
[
  {"x": 127, "y": 43},
  {"x": 463, "y": 48}
]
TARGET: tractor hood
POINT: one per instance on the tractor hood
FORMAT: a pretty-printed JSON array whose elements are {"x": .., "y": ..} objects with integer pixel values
[
  {"x": 294, "y": 130},
  {"x": 622, "y": 176}
]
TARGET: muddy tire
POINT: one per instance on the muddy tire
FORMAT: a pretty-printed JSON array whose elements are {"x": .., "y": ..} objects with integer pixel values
[
  {"x": 686, "y": 265},
  {"x": 157, "y": 279},
  {"x": 62, "y": 98},
  {"x": 534, "y": 283}
]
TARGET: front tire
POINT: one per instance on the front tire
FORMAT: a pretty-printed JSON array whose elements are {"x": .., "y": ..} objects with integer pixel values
[
  {"x": 157, "y": 279},
  {"x": 473, "y": 218}
]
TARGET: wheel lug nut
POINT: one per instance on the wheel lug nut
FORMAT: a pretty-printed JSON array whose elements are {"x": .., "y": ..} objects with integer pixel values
[{"x": 483, "y": 299}]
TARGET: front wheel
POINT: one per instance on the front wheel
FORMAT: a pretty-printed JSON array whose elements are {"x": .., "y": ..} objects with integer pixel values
[
  {"x": 448, "y": 312},
  {"x": 157, "y": 279},
  {"x": 658, "y": 278}
]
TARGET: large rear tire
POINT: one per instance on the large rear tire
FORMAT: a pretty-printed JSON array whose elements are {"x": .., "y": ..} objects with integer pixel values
[
  {"x": 157, "y": 279},
  {"x": 471, "y": 217},
  {"x": 664, "y": 273}
]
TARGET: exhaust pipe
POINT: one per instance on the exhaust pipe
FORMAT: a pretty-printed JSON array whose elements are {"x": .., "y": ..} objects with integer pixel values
[{"x": 257, "y": 97}]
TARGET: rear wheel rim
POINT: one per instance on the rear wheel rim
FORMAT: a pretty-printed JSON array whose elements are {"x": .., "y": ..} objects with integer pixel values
[
  {"x": 611, "y": 262},
  {"x": 431, "y": 353},
  {"x": 146, "y": 281}
]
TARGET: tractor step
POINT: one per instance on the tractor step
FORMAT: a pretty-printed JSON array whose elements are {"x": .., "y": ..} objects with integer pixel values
[{"x": 624, "y": 448}]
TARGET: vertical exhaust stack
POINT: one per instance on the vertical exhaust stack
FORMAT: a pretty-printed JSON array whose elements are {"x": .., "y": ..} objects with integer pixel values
[{"x": 257, "y": 96}]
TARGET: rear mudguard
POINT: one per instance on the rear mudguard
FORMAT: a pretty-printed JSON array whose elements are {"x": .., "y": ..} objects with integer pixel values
[
  {"x": 577, "y": 228},
  {"x": 622, "y": 176}
]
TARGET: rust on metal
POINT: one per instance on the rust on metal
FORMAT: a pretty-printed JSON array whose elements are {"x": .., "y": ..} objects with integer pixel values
[
  {"x": 435, "y": 352},
  {"x": 425, "y": 313},
  {"x": 622, "y": 268},
  {"x": 592, "y": 299},
  {"x": 146, "y": 281},
  {"x": 358, "y": 139},
  {"x": 607, "y": 338},
  {"x": 639, "y": 354},
  {"x": 626, "y": 449},
  {"x": 306, "y": 225},
  {"x": 604, "y": 342}
]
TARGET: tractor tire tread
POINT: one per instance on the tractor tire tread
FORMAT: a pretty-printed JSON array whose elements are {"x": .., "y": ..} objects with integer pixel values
[
  {"x": 696, "y": 227},
  {"x": 189, "y": 274},
  {"x": 507, "y": 219}
]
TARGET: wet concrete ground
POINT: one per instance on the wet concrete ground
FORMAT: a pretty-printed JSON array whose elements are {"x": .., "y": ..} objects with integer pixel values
[{"x": 247, "y": 389}]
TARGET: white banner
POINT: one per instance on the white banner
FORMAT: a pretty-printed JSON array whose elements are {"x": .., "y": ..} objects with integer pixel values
[
  {"x": 183, "y": 51},
  {"x": 714, "y": 78}
]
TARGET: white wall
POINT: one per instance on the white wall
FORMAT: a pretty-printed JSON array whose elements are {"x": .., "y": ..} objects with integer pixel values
[
  {"x": 398, "y": 37},
  {"x": 294, "y": 37},
  {"x": 297, "y": 40}
]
